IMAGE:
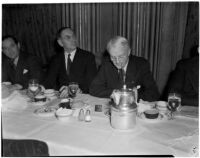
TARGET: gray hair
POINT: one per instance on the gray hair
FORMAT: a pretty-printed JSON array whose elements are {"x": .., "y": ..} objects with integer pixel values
[{"x": 118, "y": 39}]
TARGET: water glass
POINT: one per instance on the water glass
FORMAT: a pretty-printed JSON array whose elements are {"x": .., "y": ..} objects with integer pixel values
[
  {"x": 33, "y": 86},
  {"x": 73, "y": 88},
  {"x": 174, "y": 103}
]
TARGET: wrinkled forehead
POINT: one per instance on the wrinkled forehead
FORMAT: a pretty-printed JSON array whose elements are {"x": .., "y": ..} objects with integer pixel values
[
  {"x": 118, "y": 48},
  {"x": 67, "y": 32}
]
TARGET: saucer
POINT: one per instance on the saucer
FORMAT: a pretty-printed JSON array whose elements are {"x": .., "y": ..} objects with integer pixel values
[{"x": 46, "y": 111}]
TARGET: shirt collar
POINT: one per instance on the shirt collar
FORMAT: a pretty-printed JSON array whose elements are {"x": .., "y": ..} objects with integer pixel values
[
  {"x": 125, "y": 67},
  {"x": 72, "y": 54},
  {"x": 16, "y": 61}
]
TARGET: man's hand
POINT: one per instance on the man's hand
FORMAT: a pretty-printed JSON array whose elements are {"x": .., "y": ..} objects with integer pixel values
[{"x": 63, "y": 92}]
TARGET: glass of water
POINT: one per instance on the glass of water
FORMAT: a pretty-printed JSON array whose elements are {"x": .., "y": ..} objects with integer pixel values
[
  {"x": 174, "y": 103},
  {"x": 73, "y": 88},
  {"x": 33, "y": 86}
]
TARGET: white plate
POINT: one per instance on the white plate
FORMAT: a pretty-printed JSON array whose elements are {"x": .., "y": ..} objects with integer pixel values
[{"x": 47, "y": 111}]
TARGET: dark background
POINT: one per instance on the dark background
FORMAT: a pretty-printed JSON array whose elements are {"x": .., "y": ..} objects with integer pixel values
[{"x": 161, "y": 32}]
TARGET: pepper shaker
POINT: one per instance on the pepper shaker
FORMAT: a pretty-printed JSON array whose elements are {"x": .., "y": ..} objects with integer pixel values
[
  {"x": 87, "y": 116},
  {"x": 81, "y": 115}
]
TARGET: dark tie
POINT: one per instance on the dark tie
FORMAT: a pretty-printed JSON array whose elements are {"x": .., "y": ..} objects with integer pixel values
[
  {"x": 13, "y": 65},
  {"x": 69, "y": 62},
  {"x": 120, "y": 73}
]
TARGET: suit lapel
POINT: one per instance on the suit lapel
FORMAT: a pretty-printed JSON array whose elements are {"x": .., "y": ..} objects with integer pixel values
[
  {"x": 77, "y": 60},
  {"x": 19, "y": 68},
  {"x": 63, "y": 64}
]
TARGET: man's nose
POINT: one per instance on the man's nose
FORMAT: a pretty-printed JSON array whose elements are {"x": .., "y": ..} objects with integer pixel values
[{"x": 117, "y": 60}]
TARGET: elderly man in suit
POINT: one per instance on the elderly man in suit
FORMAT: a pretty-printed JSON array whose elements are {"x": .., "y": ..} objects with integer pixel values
[
  {"x": 135, "y": 69},
  {"x": 71, "y": 65},
  {"x": 17, "y": 66}
]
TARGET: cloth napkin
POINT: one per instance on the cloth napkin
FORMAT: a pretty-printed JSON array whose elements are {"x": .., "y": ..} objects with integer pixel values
[
  {"x": 144, "y": 105},
  {"x": 15, "y": 102}
]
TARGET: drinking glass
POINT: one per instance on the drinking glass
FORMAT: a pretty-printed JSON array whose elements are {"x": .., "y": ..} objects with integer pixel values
[
  {"x": 174, "y": 103},
  {"x": 33, "y": 86},
  {"x": 73, "y": 88}
]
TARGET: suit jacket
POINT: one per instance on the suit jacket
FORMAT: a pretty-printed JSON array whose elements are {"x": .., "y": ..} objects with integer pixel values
[
  {"x": 185, "y": 81},
  {"x": 28, "y": 67},
  {"x": 137, "y": 73},
  {"x": 83, "y": 70}
]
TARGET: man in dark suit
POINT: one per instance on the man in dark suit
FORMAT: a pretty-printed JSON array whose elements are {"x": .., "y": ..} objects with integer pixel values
[
  {"x": 135, "y": 69},
  {"x": 17, "y": 66},
  {"x": 71, "y": 65},
  {"x": 185, "y": 81}
]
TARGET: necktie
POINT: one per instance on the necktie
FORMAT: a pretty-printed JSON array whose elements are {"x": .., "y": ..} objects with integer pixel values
[
  {"x": 69, "y": 62},
  {"x": 121, "y": 75}
]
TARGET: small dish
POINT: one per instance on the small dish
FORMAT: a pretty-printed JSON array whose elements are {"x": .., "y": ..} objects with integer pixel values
[
  {"x": 63, "y": 114},
  {"x": 47, "y": 111},
  {"x": 160, "y": 118},
  {"x": 151, "y": 114}
]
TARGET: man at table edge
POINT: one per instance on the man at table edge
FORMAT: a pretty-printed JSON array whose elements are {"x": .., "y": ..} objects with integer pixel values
[
  {"x": 83, "y": 67},
  {"x": 136, "y": 69}
]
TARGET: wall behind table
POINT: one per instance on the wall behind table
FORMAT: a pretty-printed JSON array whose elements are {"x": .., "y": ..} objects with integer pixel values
[{"x": 156, "y": 31}]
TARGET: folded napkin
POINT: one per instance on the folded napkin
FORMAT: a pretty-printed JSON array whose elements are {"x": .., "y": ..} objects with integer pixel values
[
  {"x": 15, "y": 101},
  {"x": 144, "y": 105}
]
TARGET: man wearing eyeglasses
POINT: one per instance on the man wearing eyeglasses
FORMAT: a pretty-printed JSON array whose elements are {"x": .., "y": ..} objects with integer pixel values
[{"x": 122, "y": 68}]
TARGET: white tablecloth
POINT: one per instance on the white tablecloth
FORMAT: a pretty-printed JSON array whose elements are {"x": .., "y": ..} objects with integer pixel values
[{"x": 178, "y": 137}]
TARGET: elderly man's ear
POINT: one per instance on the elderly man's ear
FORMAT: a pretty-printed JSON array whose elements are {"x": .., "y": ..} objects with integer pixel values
[
  {"x": 18, "y": 45},
  {"x": 60, "y": 42},
  {"x": 129, "y": 52}
]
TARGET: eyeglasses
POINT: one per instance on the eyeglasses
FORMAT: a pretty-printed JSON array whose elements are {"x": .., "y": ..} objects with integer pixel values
[{"x": 119, "y": 58}]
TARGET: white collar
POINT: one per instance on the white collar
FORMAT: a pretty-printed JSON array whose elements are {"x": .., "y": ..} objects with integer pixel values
[
  {"x": 16, "y": 61},
  {"x": 125, "y": 67},
  {"x": 72, "y": 54}
]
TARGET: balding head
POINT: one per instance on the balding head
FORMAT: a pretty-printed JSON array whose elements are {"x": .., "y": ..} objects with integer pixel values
[{"x": 119, "y": 50}]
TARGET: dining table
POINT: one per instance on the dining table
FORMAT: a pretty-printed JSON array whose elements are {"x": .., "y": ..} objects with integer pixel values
[{"x": 177, "y": 137}]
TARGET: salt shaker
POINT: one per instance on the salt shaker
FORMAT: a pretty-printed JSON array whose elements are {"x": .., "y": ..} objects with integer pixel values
[
  {"x": 87, "y": 116},
  {"x": 81, "y": 115}
]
